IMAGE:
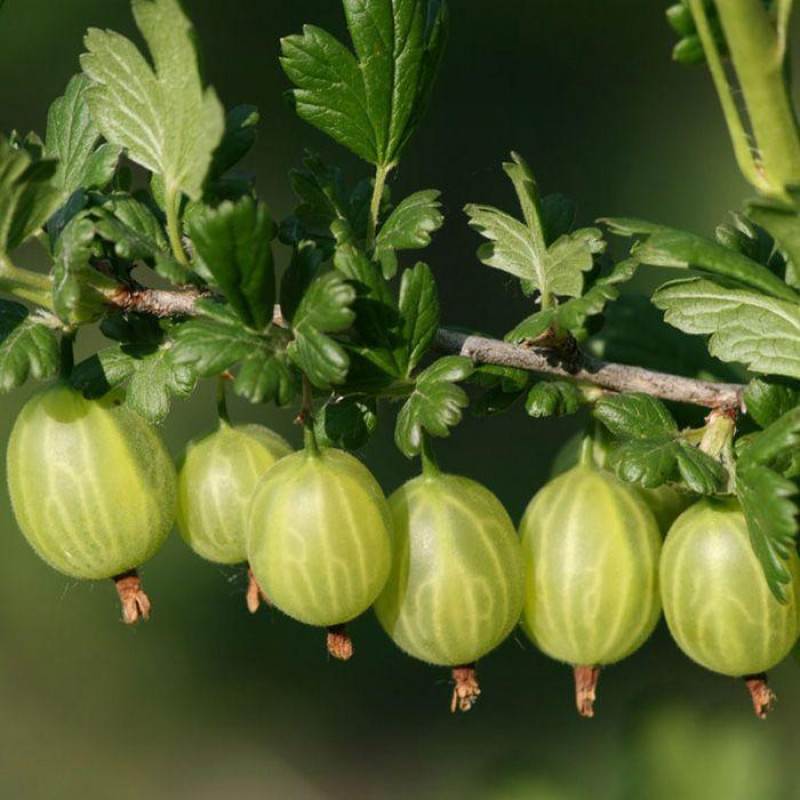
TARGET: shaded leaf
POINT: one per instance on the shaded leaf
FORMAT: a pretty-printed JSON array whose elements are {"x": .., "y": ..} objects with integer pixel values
[{"x": 28, "y": 346}]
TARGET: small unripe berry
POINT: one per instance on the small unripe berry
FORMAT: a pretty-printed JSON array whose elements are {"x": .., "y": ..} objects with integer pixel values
[
  {"x": 92, "y": 485},
  {"x": 215, "y": 487},
  {"x": 318, "y": 537}
]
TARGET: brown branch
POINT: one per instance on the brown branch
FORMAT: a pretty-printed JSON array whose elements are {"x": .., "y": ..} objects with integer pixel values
[
  {"x": 583, "y": 369},
  {"x": 605, "y": 374}
]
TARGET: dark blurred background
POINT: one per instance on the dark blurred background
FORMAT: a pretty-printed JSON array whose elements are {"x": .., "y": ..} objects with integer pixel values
[{"x": 206, "y": 702}]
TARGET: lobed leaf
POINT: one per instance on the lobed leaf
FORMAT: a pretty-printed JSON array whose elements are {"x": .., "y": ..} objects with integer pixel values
[
  {"x": 234, "y": 252},
  {"x": 370, "y": 101},
  {"x": 74, "y": 140},
  {"x": 409, "y": 227},
  {"x": 162, "y": 115},
  {"x": 435, "y": 405},
  {"x": 28, "y": 346},
  {"x": 759, "y": 331}
]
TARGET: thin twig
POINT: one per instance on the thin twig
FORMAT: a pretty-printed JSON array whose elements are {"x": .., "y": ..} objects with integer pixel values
[{"x": 585, "y": 369}]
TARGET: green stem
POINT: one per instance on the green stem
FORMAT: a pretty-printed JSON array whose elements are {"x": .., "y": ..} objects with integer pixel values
[
  {"x": 306, "y": 416},
  {"x": 222, "y": 402},
  {"x": 26, "y": 285},
  {"x": 173, "y": 199},
  {"x": 586, "y": 458},
  {"x": 741, "y": 144},
  {"x": 430, "y": 466},
  {"x": 757, "y": 55},
  {"x": 381, "y": 174}
]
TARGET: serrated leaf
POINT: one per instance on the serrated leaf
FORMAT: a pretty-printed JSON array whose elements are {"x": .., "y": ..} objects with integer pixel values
[
  {"x": 783, "y": 224},
  {"x": 377, "y": 334},
  {"x": 369, "y": 102},
  {"x": 137, "y": 235},
  {"x": 655, "y": 346},
  {"x": 435, "y": 405},
  {"x": 771, "y": 521},
  {"x": 346, "y": 422},
  {"x": 211, "y": 346},
  {"x": 409, "y": 227},
  {"x": 264, "y": 377},
  {"x": 635, "y": 416},
  {"x": 155, "y": 381},
  {"x": 667, "y": 247},
  {"x": 162, "y": 115},
  {"x": 756, "y": 330},
  {"x": 522, "y": 249},
  {"x": 74, "y": 140},
  {"x": 325, "y": 308},
  {"x": 28, "y": 347},
  {"x": 553, "y": 399},
  {"x": 234, "y": 252},
  {"x": 28, "y": 195},
  {"x": 652, "y": 451},
  {"x": 780, "y": 439},
  {"x": 77, "y": 286},
  {"x": 767, "y": 400},
  {"x": 153, "y": 378},
  {"x": 419, "y": 310},
  {"x": 240, "y": 135}
]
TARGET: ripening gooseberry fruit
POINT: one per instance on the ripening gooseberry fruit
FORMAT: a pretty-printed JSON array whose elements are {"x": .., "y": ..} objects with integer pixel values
[
  {"x": 718, "y": 605},
  {"x": 318, "y": 540},
  {"x": 92, "y": 487},
  {"x": 216, "y": 482},
  {"x": 590, "y": 546},
  {"x": 456, "y": 587}
]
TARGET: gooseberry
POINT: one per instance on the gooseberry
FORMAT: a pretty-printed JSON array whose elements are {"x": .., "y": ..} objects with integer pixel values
[
  {"x": 92, "y": 487},
  {"x": 456, "y": 587},
  {"x": 590, "y": 547}
]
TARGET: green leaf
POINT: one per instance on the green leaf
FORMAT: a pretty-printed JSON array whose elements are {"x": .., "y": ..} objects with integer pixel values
[
  {"x": 771, "y": 515},
  {"x": 153, "y": 378},
  {"x": 419, "y": 310},
  {"x": 377, "y": 334},
  {"x": 553, "y": 399},
  {"x": 773, "y": 445},
  {"x": 264, "y": 377},
  {"x": 521, "y": 249},
  {"x": 77, "y": 287},
  {"x": 655, "y": 346},
  {"x": 435, "y": 405},
  {"x": 346, "y": 422},
  {"x": 325, "y": 308},
  {"x": 768, "y": 399},
  {"x": 240, "y": 135},
  {"x": 234, "y": 252},
  {"x": 574, "y": 314},
  {"x": 28, "y": 346},
  {"x": 740, "y": 323},
  {"x": 409, "y": 227},
  {"x": 28, "y": 195},
  {"x": 666, "y": 247},
  {"x": 74, "y": 140},
  {"x": 162, "y": 114},
  {"x": 782, "y": 221},
  {"x": 635, "y": 416},
  {"x": 137, "y": 235},
  {"x": 369, "y": 102},
  {"x": 652, "y": 451},
  {"x": 212, "y": 346}
]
